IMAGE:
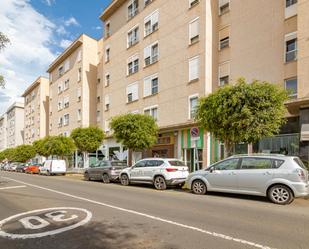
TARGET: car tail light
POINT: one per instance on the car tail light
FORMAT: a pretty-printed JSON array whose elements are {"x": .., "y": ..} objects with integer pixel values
[
  {"x": 171, "y": 169},
  {"x": 301, "y": 174}
]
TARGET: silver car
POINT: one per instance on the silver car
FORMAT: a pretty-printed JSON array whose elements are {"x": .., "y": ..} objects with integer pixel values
[{"x": 280, "y": 178}]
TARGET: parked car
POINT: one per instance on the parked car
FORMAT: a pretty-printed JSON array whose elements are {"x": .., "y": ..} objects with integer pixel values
[
  {"x": 105, "y": 171},
  {"x": 53, "y": 167},
  {"x": 159, "y": 172},
  {"x": 21, "y": 168},
  {"x": 13, "y": 166},
  {"x": 278, "y": 177},
  {"x": 33, "y": 168}
]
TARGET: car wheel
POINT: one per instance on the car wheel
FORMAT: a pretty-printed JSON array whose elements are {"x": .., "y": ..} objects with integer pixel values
[
  {"x": 124, "y": 180},
  {"x": 159, "y": 183},
  {"x": 105, "y": 178},
  {"x": 280, "y": 194},
  {"x": 199, "y": 187},
  {"x": 86, "y": 177}
]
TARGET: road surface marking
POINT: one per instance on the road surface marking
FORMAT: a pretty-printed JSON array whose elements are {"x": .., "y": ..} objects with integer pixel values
[
  {"x": 214, "y": 234},
  {"x": 43, "y": 223},
  {"x": 4, "y": 188}
]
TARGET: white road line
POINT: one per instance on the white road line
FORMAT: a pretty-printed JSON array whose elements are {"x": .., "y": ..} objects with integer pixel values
[
  {"x": 214, "y": 234},
  {"x": 23, "y": 186}
]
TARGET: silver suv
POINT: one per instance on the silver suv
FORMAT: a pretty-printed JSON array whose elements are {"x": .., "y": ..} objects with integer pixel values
[
  {"x": 160, "y": 172},
  {"x": 280, "y": 178}
]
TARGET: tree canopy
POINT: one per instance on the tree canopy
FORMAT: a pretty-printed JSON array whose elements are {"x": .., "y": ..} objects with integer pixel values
[
  {"x": 23, "y": 153},
  {"x": 87, "y": 139},
  {"x": 243, "y": 112},
  {"x": 135, "y": 131},
  {"x": 54, "y": 145}
]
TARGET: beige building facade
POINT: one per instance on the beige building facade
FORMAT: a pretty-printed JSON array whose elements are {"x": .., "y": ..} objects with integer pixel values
[
  {"x": 72, "y": 87},
  {"x": 160, "y": 56},
  {"x": 15, "y": 125},
  {"x": 3, "y": 132},
  {"x": 36, "y": 98}
]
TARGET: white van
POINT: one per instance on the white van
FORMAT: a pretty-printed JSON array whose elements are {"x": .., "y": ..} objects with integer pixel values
[{"x": 53, "y": 167}]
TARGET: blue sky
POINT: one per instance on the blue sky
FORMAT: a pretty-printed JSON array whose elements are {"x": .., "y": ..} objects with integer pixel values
[{"x": 39, "y": 30}]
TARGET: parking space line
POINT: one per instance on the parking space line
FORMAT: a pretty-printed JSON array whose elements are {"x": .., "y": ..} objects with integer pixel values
[
  {"x": 4, "y": 188},
  {"x": 213, "y": 234}
]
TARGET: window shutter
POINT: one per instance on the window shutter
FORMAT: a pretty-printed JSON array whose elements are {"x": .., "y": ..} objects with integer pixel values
[
  {"x": 135, "y": 91},
  {"x": 224, "y": 69},
  {"x": 106, "y": 100},
  {"x": 193, "y": 68},
  {"x": 223, "y": 33},
  {"x": 147, "y": 52},
  {"x": 194, "y": 29},
  {"x": 67, "y": 65},
  {"x": 223, "y": 2},
  {"x": 147, "y": 86},
  {"x": 155, "y": 17}
]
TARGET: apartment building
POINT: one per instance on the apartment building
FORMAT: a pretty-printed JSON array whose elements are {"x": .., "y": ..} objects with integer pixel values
[
  {"x": 36, "y": 98},
  {"x": 72, "y": 87},
  {"x": 156, "y": 63},
  {"x": 15, "y": 125},
  {"x": 3, "y": 132},
  {"x": 161, "y": 56}
]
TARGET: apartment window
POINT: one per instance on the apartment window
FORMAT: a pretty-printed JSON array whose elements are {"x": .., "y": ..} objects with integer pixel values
[
  {"x": 132, "y": 37},
  {"x": 152, "y": 111},
  {"x": 193, "y": 3},
  {"x": 60, "y": 88},
  {"x": 106, "y": 102},
  {"x": 132, "y": 65},
  {"x": 79, "y": 74},
  {"x": 66, "y": 102},
  {"x": 147, "y": 2},
  {"x": 291, "y": 87},
  {"x": 107, "y": 29},
  {"x": 194, "y": 68},
  {"x": 224, "y": 6},
  {"x": 107, "y": 79},
  {"x": 288, "y": 3},
  {"x": 151, "y": 54},
  {"x": 106, "y": 126},
  {"x": 224, "y": 43},
  {"x": 224, "y": 72},
  {"x": 60, "y": 71},
  {"x": 132, "y": 8},
  {"x": 60, "y": 122},
  {"x": 151, "y": 23},
  {"x": 132, "y": 92},
  {"x": 193, "y": 101},
  {"x": 66, "y": 84},
  {"x": 60, "y": 105},
  {"x": 79, "y": 94},
  {"x": 79, "y": 115},
  {"x": 107, "y": 54},
  {"x": 66, "y": 119},
  {"x": 194, "y": 31},
  {"x": 98, "y": 99},
  {"x": 290, "y": 47},
  {"x": 98, "y": 115},
  {"x": 151, "y": 85}
]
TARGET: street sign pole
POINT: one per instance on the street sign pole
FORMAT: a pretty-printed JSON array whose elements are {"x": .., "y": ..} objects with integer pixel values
[{"x": 195, "y": 136}]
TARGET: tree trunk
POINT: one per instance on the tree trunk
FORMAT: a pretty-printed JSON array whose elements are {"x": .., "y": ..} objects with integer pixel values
[
  {"x": 130, "y": 151},
  {"x": 228, "y": 149},
  {"x": 86, "y": 159}
]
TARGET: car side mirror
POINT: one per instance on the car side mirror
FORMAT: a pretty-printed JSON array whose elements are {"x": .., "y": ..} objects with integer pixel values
[{"x": 211, "y": 170}]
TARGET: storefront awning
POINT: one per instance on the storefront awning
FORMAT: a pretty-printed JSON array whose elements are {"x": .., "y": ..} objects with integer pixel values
[{"x": 304, "y": 134}]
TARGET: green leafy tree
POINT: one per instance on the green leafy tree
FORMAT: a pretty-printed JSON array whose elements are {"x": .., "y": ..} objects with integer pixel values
[
  {"x": 39, "y": 146},
  {"x": 87, "y": 140},
  {"x": 23, "y": 153},
  {"x": 8, "y": 154},
  {"x": 4, "y": 40},
  {"x": 135, "y": 131},
  {"x": 243, "y": 112}
]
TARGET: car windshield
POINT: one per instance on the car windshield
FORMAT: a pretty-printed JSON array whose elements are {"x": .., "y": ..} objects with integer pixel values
[
  {"x": 176, "y": 163},
  {"x": 119, "y": 163}
]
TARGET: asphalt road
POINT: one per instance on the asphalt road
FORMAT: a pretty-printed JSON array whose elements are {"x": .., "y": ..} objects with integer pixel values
[{"x": 40, "y": 212}]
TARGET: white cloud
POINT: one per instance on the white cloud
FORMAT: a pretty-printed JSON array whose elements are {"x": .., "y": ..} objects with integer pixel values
[
  {"x": 65, "y": 43},
  {"x": 29, "y": 53},
  {"x": 49, "y": 2},
  {"x": 71, "y": 21},
  {"x": 61, "y": 30}
]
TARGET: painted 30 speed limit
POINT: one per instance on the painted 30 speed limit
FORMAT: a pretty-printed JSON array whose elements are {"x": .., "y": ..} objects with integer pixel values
[{"x": 43, "y": 222}]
